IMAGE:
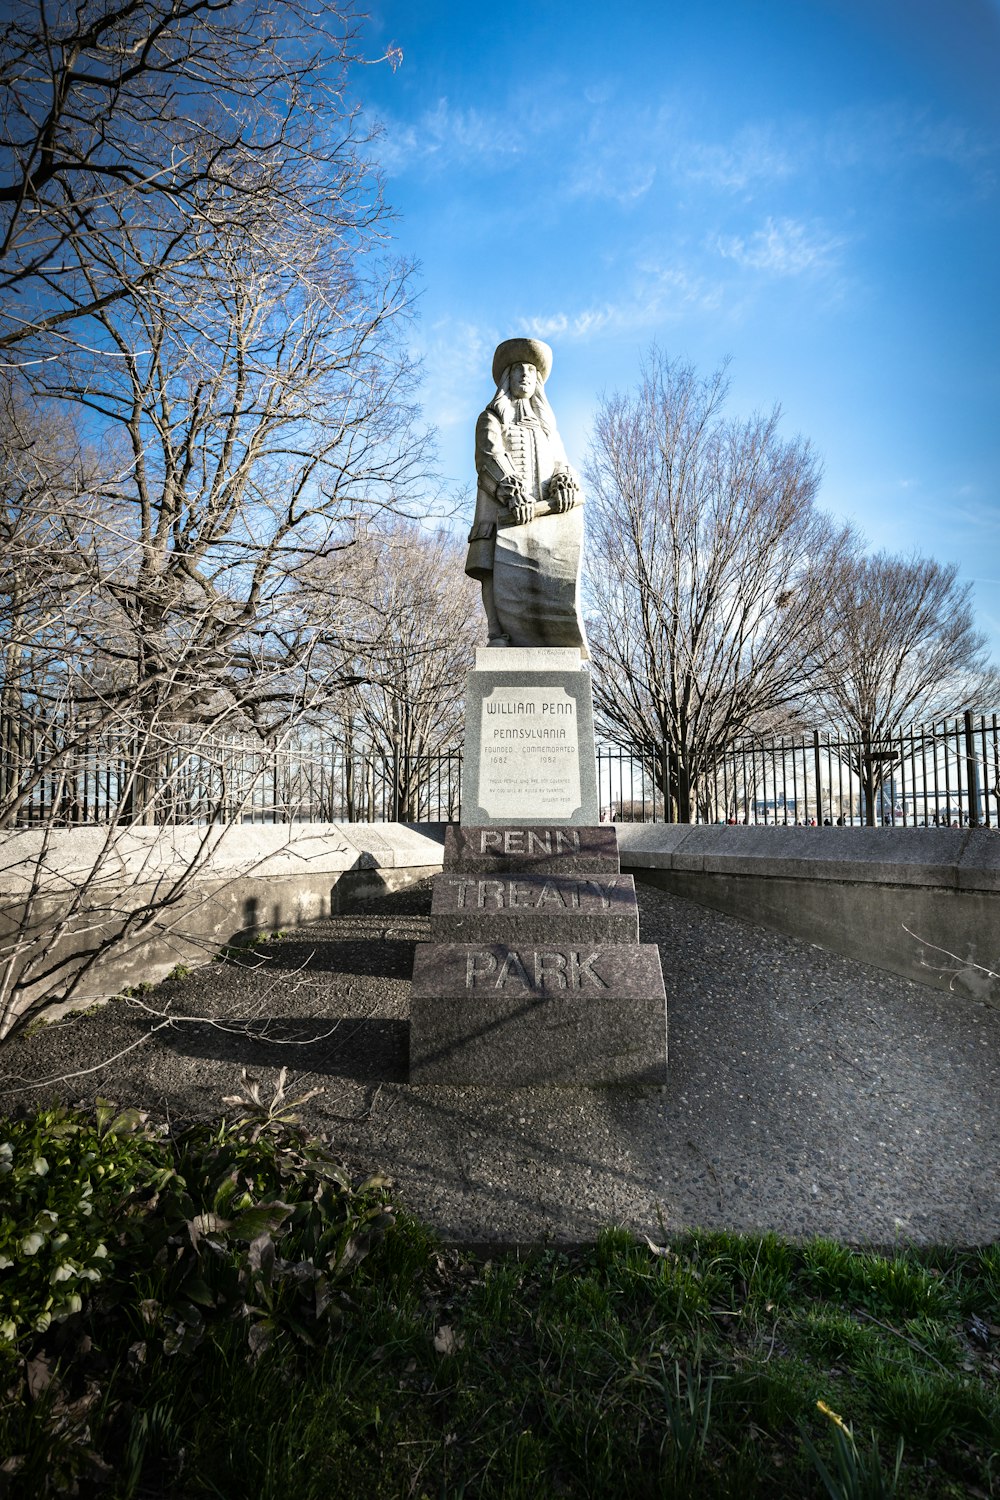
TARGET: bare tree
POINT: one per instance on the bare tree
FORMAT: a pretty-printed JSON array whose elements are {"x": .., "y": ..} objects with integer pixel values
[
  {"x": 260, "y": 419},
  {"x": 899, "y": 646},
  {"x": 49, "y": 535},
  {"x": 208, "y": 231},
  {"x": 191, "y": 224},
  {"x": 130, "y": 126},
  {"x": 254, "y": 417},
  {"x": 408, "y": 623},
  {"x": 708, "y": 565}
]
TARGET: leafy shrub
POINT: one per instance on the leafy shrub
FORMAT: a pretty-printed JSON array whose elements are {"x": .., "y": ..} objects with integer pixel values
[
  {"x": 243, "y": 1220},
  {"x": 254, "y": 1223},
  {"x": 124, "y": 1245},
  {"x": 63, "y": 1182}
]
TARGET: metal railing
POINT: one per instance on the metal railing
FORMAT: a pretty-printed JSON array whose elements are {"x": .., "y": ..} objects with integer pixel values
[
  {"x": 60, "y": 774},
  {"x": 182, "y": 774},
  {"x": 947, "y": 774}
]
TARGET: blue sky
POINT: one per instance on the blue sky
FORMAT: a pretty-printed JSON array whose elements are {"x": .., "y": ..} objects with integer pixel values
[{"x": 810, "y": 188}]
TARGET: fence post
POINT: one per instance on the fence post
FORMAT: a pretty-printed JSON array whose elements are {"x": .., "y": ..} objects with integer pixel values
[
  {"x": 668, "y": 805},
  {"x": 819, "y": 788},
  {"x": 972, "y": 771}
]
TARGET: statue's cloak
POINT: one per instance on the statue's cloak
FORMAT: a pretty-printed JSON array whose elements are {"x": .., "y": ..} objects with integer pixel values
[{"x": 536, "y": 579}]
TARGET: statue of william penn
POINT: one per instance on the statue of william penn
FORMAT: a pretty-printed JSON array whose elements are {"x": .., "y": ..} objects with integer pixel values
[{"x": 526, "y": 541}]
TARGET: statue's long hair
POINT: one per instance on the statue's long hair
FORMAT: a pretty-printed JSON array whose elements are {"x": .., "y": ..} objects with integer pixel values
[{"x": 504, "y": 406}]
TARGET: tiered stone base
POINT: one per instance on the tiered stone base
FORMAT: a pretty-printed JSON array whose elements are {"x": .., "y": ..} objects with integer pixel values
[{"x": 535, "y": 974}]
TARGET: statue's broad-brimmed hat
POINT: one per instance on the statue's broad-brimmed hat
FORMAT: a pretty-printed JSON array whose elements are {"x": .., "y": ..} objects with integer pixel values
[{"x": 522, "y": 352}]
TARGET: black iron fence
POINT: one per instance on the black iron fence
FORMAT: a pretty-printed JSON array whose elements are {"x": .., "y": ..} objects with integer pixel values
[
  {"x": 947, "y": 773},
  {"x": 177, "y": 774}
]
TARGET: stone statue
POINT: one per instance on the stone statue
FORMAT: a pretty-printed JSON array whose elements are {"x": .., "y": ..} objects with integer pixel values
[{"x": 526, "y": 541}]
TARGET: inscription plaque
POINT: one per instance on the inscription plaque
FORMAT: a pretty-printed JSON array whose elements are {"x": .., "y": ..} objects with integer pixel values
[
  {"x": 529, "y": 754},
  {"x": 532, "y": 893},
  {"x": 529, "y": 748}
]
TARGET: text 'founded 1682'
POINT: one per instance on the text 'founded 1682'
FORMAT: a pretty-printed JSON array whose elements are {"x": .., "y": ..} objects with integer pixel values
[{"x": 529, "y": 753}]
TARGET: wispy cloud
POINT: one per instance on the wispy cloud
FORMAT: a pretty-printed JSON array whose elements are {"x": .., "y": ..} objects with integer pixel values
[
  {"x": 784, "y": 247},
  {"x": 973, "y": 513},
  {"x": 621, "y": 181},
  {"x": 456, "y": 356},
  {"x": 612, "y": 153},
  {"x": 659, "y": 295},
  {"x": 577, "y": 325},
  {"x": 445, "y": 135},
  {"x": 885, "y": 137},
  {"x": 622, "y": 153},
  {"x": 877, "y": 139},
  {"x": 621, "y": 150},
  {"x": 754, "y": 158}
]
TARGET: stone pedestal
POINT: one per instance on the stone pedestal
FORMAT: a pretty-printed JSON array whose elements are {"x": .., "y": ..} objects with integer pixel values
[
  {"x": 535, "y": 973},
  {"x": 529, "y": 739}
]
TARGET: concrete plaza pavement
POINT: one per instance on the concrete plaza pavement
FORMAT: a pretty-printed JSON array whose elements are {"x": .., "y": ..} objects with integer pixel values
[{"x": 807, "y": 1093}]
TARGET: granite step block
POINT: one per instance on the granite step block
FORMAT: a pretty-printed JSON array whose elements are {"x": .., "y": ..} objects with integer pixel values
[
  {"x": 559, "y": 1013},
  {"x": 539, "y": 909},
  {"x": 535, "y": 849}
]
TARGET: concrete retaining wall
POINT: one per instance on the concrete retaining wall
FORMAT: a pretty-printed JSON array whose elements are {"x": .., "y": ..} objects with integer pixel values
[
  {"x": 921, "y": 902},
  {"x": 178, "y": 895},
  {"x": 905, "y": 899}
]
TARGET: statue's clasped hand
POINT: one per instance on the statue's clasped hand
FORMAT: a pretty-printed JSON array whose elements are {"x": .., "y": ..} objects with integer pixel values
[
  {"x": 510, "y": 492},
  {"x": 563, "y": 492}
]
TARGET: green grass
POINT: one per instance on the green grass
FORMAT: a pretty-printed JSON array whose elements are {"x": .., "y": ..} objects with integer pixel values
[{"x": 695, "y": 1369}]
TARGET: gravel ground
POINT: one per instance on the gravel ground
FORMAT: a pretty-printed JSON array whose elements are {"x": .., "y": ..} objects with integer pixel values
[{"x": 807, "y": 1094}]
